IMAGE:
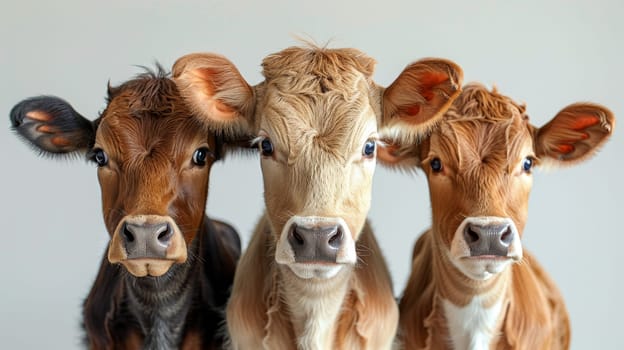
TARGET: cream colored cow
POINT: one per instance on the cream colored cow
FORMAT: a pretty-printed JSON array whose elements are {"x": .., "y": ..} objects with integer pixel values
[{"x": 313, "y": 276}]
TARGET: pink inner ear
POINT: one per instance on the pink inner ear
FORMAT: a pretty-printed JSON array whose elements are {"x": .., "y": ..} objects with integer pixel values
[
  {"x": 225, "y": 109},
  {"x": 429, "y": 81},
  {"x": 411, "y": 110},
  {"x": 39, "y": 115},
  {"x": 60, "y": 141},
  {"x": 585, "y": 121},
  {"x": 565, "y": 148},
  {"x": 205, "y": 75},
  {"x": 48, "y": 129},
  {"x": 388, "y": 154}
]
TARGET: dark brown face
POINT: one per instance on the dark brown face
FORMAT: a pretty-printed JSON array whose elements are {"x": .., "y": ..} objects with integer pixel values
[
  {"x": 153, "y": 170},
  {"x": 153, "y": 158}
]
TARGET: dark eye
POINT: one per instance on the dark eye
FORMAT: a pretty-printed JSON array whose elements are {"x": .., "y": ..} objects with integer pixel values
[
  {"x": 527, "y": 164},
  {"x": 369, "y": 149},
  {"x": 436, "y": 165},
  {"x": 266, "y": 147},
  {"x": 200, "y": 156},
  {"x": 99, "y": 157}
]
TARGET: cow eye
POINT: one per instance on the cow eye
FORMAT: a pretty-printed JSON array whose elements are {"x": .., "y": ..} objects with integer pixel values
[
  {"x": 369, "y": 149},
  {"x": 99, "y": 157},
  {"x": 436, "y": 165},
  {"x": 527, "y": 164},
  {"x": 200, "y": 156},
  {"x": 266, "y": 147}
]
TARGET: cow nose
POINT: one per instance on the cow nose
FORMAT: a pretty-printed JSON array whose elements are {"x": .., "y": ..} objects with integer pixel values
[
  {"x": 315, "y": 244},
  {"x": 146, "y": 240},
  {"x": 488, "y": 239}
]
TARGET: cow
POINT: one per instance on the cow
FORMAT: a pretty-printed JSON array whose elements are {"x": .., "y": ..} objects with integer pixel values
[
  {"x": 167, "y": 272},
  {"x": 472, "y": 285},
  {"x": 313, "y": 275}
]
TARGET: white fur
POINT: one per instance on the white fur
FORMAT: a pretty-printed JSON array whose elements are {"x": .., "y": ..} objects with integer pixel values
[
  {"x": 471, "y": 327},
  {"x": 308, "y": 271},
  {"x": 483, "y": 269},
  {"x": 314, "y": 317}
]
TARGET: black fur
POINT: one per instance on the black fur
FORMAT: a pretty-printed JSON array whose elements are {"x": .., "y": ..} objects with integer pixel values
[
  {"x": 189, "y": 297},
  {"x": 63, "y": 119}
]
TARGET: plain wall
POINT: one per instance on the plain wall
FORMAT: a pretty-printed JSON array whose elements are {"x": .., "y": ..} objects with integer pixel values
[{"x": 545, "y": 53}]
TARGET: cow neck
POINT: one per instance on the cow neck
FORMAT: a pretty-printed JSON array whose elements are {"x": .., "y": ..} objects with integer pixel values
[
  {"x": 161, "y": 304},
  {"x": 314, "y": 305},
  {"x": 452, "y": 285}
]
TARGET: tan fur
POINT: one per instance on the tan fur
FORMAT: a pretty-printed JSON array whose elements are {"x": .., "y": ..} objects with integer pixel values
[
  {"x": 481, "y": 142},
  {"x": 318, "y": 107},
  {"x": 366, "y": 315}
]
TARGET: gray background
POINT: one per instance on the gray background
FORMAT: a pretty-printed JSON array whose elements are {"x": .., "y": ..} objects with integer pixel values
[{"x": 546, "y": 53}]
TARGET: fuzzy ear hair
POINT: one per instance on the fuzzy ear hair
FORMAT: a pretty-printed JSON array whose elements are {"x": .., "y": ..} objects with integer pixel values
[
  {"x": 216, "y": 92},
  {"x": 52, "y": 126},
  {"x": 574, "y": 134},
  {"x": 418, "y": 98},
  {"x": 403, "y": 156}
]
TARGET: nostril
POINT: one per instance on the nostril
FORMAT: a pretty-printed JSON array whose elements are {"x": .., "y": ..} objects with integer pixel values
[
  {"x": 506, "y": 237},
  {"x": 165, "y": 235},
  {"x": 471, "y": 235},
  {"x": 298, "y": 239},
  {"x": 128, "y": 235},
  {"x": 335, "y": 241}
]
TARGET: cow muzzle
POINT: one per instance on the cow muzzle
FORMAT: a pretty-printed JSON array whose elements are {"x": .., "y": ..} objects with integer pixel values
[
  {"x": 147, "y": 245},
  {"x": 315, "y": 246},
  {"x": 483, "y": 246}
]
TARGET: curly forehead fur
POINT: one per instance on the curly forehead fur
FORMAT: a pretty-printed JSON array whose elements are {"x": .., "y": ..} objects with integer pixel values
[
  {"x": 476, "y": 101},
  {"x": 486, "y": 128},
  {"x": 314, "y": 94}
]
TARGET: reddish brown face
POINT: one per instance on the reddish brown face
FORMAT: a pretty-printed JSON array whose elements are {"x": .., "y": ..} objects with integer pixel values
[
  {"x": 153, "y": 172},
  {"x": 478, "y": 165},
  {"x": 153, "y": 158},
  {"x": 479, "y": 175}
]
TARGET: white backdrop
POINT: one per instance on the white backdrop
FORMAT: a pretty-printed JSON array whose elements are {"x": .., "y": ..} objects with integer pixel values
[{"x": 547, "y": 53}]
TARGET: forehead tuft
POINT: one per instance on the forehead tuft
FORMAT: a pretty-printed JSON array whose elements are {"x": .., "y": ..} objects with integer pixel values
[
  {"x": 310, "y": 70},
  {"x": 477, "y": 102},
  {"x": 149, "y": 94},
  {"x": 484, "y": 126},
  {"x": 318, "y": 96}
]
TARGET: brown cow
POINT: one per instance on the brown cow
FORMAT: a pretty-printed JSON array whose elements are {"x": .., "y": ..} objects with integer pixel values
[
  {"x": 313, "y": 276},
  {"x": 472, "y": 286},
  {"x": 154, "y": 159}
]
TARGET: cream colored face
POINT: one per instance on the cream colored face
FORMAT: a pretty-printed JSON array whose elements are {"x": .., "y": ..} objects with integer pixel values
[
  {"x": 316, "y": 118},
  {"x": 317, "y": 159}
]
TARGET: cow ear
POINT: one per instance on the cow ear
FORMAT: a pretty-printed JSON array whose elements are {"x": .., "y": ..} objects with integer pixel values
[
  {"x": 419, "y": 97},
  {"x": 216, "y": 92},
  {"x": 398, "y": 155},
  {"x": 574, "y": 134},
  {"x": 52, "y": 126}
]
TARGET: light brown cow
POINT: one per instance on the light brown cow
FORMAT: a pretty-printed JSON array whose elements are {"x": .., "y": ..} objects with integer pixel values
[
  {"x": 472, "y": 286},
  {"x": 313, "y": 276}
]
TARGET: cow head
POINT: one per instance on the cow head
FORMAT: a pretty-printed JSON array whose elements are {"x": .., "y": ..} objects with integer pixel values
[
  {"x": 153, "y": 160},
  {"x": 317, "y": 118},
  {"x": 479, "y": 164}
]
